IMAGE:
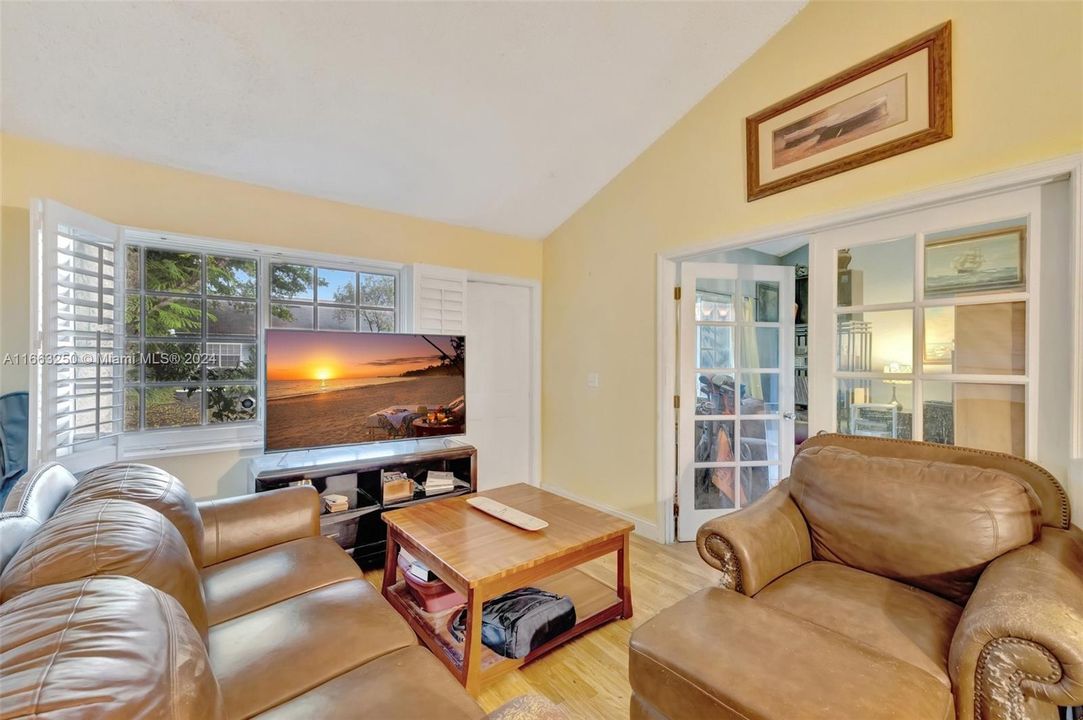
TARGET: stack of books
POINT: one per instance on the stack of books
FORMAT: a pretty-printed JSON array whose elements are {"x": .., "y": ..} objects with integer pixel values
[
  {"x": 335, "y": 503},
  {"x": 437, "y": 482}
]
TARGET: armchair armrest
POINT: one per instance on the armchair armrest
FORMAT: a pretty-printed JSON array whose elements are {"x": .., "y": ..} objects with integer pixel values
[
  {"x": 1018, "y": 648},
  {"x": 240, "y": 525},
  {"x": 754, "y": 546}
]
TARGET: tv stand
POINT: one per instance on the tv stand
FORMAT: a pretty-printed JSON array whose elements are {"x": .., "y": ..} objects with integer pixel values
[{"x": 355, "y": 471}]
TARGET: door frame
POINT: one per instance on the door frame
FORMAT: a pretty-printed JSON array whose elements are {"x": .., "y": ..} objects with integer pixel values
[
  {"x": 535, "y": 288},
  {"x": 1068, "y": 167}
]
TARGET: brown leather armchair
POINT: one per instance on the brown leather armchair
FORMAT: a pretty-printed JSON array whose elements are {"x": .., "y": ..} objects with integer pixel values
[{"x": 883, "y": 578}]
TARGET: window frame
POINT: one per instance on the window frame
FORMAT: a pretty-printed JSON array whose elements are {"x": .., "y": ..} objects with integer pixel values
[{"x": 248, "y": 435}]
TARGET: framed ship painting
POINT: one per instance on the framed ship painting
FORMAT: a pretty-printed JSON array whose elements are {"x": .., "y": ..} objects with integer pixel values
[
  {"x": 895, "y": 102},
  {"x": 976, "y": 263}
]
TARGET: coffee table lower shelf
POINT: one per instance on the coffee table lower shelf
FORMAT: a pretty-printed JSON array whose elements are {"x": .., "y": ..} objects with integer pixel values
[{"x": 595, "y": 603}]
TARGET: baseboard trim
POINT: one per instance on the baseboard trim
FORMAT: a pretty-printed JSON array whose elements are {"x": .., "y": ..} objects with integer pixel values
[{"x": 644, "y": 528}]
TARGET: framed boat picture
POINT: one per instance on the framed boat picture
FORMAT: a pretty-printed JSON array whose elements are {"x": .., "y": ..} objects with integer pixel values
[
  {"x": 895, "y": 102},
  {"x": 983, "y": 262}
]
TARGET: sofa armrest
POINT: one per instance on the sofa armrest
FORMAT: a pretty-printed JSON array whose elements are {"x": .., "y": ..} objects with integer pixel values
[
  {"x": 240, "y": 525},
  {"x": 1019, "y": 644},
  {"x": 527, "y": 707},
  {"x": 754, "y": 546}
]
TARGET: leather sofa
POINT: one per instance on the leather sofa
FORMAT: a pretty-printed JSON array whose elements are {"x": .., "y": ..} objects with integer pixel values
[
  {"x": 883, "y": 578},
  {"x": 121, "y": 597}
]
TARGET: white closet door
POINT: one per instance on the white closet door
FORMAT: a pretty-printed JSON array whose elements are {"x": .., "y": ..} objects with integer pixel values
[{"x": 499, "y": 382}]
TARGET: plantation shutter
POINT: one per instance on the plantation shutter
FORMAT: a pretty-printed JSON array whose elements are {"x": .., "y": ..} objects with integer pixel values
[
  {"x": 439, "y": 300},
  {"x": 77, "y": 409}
]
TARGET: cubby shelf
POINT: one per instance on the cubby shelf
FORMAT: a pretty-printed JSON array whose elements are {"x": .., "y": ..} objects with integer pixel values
[{"x": 355, "y": 472}]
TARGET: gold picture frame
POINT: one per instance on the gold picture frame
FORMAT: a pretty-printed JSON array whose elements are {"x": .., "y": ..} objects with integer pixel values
[
  {"x": 958, "y": 265},
  {"x": 938, "y": 353},
  {"x": 895, "y": 102}
]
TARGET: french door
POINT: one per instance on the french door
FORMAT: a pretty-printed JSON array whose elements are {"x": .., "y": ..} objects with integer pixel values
[
  {"x": 924, "y": 325},
  {"x": 736, "y": 430}
]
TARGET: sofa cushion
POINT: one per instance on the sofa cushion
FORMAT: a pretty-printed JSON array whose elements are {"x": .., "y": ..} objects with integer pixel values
[
  {"x": 146, "y": 485},
  {"x": 719, "y": 654},
  {"x": 32, "y": 501},
  {"x": 929, "y": 524},
  {"x": 239, "y": 586},
  {"x": 272, "y": 655},
  {"x": 899, "y": 620},
  {"x": 103, "y": 647},
  {"x": 388, "y": 688},
  {"x": 108, "y": 537},
  {"x": 237, "y": 526}
]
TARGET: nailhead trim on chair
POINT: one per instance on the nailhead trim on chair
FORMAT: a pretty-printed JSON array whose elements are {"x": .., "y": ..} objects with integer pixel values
[
  {"x": 727, "y": 558},
  {"x": 1065, "y": 506},
  {"x": 1014, "y": 702}
]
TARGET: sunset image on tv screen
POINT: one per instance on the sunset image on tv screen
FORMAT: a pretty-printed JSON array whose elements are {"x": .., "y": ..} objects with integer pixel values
[{"x": 333, "y": 388}]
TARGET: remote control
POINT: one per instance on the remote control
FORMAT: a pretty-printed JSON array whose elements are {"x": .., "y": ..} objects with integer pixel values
[{"x": 500, "y": 511}]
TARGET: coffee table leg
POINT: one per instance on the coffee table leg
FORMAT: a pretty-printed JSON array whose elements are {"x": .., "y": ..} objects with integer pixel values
[
  {"x": 624, "y": 576},
  {"x": 391, "y": 562},
  {"x": 472, "y": 645}
]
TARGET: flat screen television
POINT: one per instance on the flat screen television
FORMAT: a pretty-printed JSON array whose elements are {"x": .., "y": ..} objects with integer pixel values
[{"x": 336, "y": 388}]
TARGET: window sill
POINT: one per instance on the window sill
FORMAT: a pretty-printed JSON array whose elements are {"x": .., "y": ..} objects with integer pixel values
[{"x": 190, "y": 441}]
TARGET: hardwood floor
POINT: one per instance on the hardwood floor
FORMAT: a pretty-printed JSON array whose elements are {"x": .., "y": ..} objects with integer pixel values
[{"x": 588, "y": 677}]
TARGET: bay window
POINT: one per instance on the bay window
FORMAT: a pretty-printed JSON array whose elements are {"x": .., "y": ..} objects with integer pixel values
[
  {"x": 150, "y": 344},
  {"x": 194, "y": 317}
]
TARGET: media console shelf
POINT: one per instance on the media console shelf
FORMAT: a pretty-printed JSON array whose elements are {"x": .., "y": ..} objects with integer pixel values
[{"x": 355, "y": 472}]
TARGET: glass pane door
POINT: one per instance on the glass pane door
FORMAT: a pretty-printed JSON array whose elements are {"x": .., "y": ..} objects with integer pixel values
[
  {"x": 874, "y": 338},
  {"x": 736, "y": 403},
  {"x": 934, "y": 317}
]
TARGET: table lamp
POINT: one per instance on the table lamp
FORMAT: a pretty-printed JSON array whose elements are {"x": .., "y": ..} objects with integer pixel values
[{"x": 895, "y": 368}]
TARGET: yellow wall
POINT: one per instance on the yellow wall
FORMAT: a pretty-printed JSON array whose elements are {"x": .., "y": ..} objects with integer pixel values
[
  {"x": 1018, "y": 98},
  {"x": 161, "y": 198}
]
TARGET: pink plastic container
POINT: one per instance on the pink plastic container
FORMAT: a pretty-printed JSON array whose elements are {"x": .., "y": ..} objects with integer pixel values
[{"x": 435, "y": 596}]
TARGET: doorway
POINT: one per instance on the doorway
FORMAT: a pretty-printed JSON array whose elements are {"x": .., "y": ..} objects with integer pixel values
[{"x": 966, "y": 365}]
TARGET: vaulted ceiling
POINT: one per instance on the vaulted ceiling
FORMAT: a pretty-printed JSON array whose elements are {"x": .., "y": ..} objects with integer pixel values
[{"x": 500, "y": 116}]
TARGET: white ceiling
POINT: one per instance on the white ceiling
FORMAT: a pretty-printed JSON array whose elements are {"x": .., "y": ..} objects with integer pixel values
[{"x": 502, "y": 116}]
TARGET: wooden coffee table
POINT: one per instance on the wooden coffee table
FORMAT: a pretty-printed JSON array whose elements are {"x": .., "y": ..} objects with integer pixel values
[{"x": 482, "y": 557}]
